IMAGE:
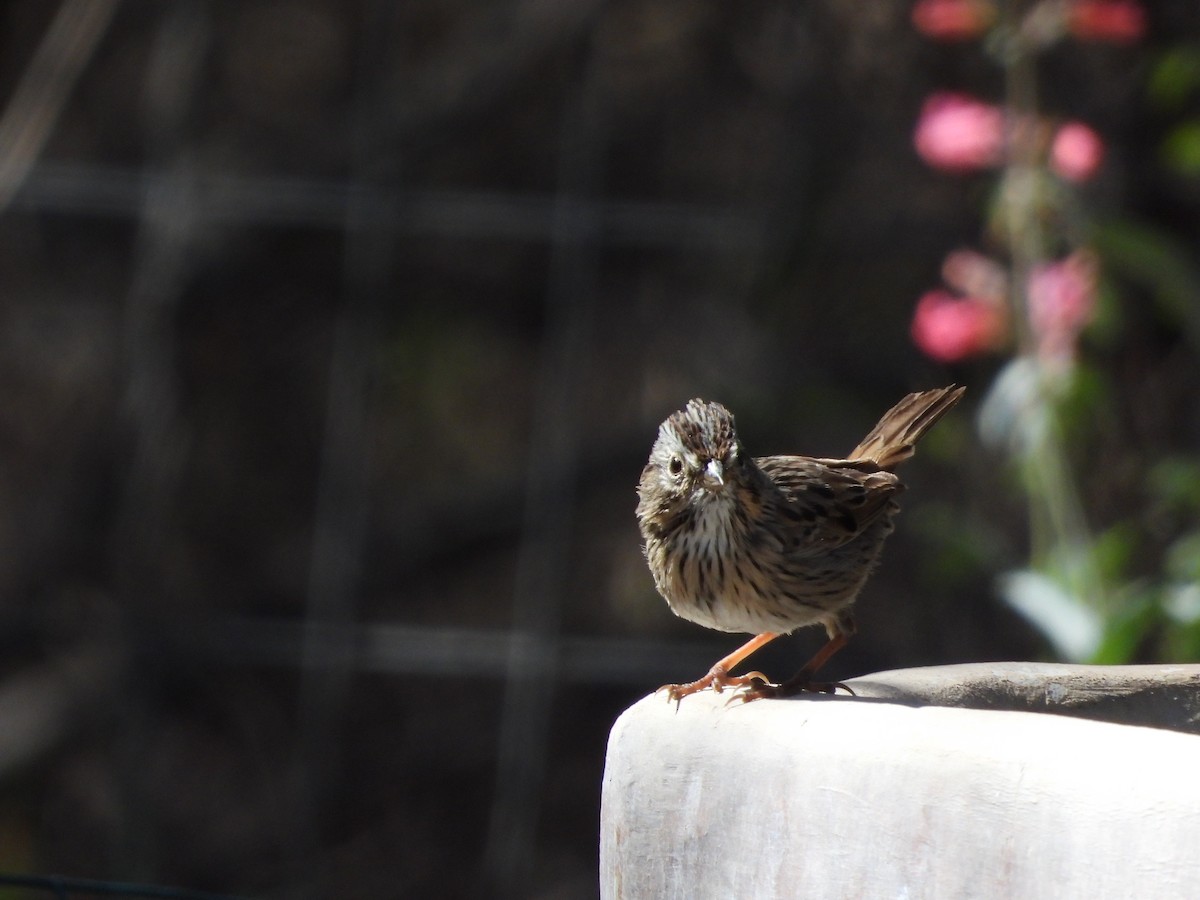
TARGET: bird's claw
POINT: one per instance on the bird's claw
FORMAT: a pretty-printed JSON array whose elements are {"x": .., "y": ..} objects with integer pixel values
[{"x": 717, "y": 680}]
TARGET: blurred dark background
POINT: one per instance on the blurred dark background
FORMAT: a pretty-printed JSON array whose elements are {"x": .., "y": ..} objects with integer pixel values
[{"x": 333, "y": 338}]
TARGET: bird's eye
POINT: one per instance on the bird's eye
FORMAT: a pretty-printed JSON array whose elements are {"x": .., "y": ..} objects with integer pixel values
[{"x": 675, "y": 466}]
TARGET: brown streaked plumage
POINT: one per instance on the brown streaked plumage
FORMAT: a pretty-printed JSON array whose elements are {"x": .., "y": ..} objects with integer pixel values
[{"x": 769, "y": 545}]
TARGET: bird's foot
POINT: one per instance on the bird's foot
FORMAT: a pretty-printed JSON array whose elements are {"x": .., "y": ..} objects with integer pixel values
[
  {"x": 718, "y": 679},
  {"x": 789, "y": 688}
]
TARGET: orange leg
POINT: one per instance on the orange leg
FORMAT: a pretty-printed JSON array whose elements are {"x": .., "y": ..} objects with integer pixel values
[
  {"x": 802, "y": 681},
  {"x": 718, "y": 677}
]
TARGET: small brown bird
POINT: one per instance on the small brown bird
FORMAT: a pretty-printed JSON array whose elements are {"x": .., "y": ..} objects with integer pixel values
[{"x": 769, "y": 545}]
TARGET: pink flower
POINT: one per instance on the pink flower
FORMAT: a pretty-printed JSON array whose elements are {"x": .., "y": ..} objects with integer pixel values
[
  {"x": 948, "y": 328},
  {"x": 976, "y": 275},
  {"x": 1076, "y": 152},
  {"x": 1119, "y": 21},
  {"x": 953, "y": 20},
  {"x": 958, "y": 133},
  {"x": 1062, "y": 300}
]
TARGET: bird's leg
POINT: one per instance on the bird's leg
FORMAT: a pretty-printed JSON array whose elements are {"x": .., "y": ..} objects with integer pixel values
[
  {"x": 802, "y": 681},
  {"x": 718, "y": 677}
]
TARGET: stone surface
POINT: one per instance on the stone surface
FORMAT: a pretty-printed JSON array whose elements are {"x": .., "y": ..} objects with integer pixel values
[
  {"x": 901, "y": 792},
  {"x": 1164, "y": 696}
]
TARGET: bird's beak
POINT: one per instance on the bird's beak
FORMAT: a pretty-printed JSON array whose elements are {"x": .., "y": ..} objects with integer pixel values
[{"x": 714, "y": 474}]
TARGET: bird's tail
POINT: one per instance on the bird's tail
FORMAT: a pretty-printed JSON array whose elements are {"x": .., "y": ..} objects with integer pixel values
[{"x": 893, "y": 440}]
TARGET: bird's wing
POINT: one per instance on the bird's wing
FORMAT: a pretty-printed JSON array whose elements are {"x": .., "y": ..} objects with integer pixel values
[{"x": 828, "y": 502}]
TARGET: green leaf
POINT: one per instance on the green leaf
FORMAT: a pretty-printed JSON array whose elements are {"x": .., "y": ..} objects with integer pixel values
[
  {"x": 1183, "y": 558},
  {"x": 1176, "y": 482},
  {"x": 1182, "y": 642},
  {"x": 1072, "y": 626},
  {"x": 1159, "y": 262},
  {"x": 1124, "y": 631},
  {"x": 1113, "y": 550},
  {"x": 1181, "y": 149},
  {"x": 1175, "y": 77}
]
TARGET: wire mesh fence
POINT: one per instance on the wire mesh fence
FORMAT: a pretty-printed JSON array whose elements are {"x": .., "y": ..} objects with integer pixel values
[
  {"x": 178, "y": 217},
  {"x": 334, "y": 338}
]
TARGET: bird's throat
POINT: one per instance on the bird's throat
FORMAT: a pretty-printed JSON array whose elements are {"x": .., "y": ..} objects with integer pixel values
[{"x": 713, "y": 523}]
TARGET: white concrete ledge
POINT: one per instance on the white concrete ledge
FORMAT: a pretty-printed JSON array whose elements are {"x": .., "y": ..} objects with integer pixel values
[{"x": 866, "y": 797}]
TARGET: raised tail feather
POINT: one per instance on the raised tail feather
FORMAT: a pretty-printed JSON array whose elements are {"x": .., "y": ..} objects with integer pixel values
[{"x": 893, "y": 440}]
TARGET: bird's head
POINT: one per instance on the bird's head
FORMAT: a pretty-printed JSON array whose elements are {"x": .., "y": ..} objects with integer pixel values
[{"x": 697, "y": 455}]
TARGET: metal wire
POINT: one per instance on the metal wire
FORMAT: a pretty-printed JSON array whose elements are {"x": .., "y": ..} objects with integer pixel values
[
  {"x": 553, "y": 456},
  {"x": 222, "y": 199},
  {"x": 430, "y": 651},
  {"x": 46, "y": 83},
  {"x": 63, "y": 887}
]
